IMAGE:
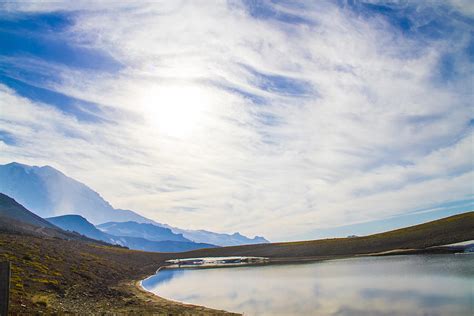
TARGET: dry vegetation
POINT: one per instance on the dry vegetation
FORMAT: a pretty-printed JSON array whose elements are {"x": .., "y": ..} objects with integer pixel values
[{"x": 54, "y": 276}]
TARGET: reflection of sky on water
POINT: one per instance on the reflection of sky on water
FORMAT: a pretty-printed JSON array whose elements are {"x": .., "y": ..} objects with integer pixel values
[
  {"x": 161, "y": 278},
  {"x": 401, "y": 285}
]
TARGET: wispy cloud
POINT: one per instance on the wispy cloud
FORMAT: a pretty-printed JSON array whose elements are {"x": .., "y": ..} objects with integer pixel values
[{"x": 271, "y": 119}]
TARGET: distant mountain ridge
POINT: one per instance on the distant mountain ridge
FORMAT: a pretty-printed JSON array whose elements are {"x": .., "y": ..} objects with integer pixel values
[
  {"x": 77, "y": 223},
  {"x": 48, "y": 193},
  {"x": 16, "y": 219},
  {"x": 80, "y": 225},
  {"x": 223, "y": 240},
  {"x": 144, "y": 230}
]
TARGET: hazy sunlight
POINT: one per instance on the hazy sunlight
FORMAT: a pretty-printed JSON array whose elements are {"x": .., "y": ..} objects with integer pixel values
[{"x": 175, "y": 111}]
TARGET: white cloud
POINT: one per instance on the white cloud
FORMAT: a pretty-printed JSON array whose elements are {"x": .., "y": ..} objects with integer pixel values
[{"x": 369, "y": 132}]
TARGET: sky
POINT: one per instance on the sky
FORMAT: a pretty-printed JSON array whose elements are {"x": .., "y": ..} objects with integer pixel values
[{"x": 287, "y": 119}]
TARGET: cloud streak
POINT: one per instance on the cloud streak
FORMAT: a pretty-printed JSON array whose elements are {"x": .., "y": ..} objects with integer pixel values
[{"x": 275, "y": 119}]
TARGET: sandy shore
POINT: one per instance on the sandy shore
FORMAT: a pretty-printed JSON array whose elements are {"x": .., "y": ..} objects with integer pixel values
[{"x": 153, "y": 301}]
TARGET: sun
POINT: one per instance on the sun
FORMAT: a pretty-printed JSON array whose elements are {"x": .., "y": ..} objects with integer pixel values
[{"x": 176, "y": 111}]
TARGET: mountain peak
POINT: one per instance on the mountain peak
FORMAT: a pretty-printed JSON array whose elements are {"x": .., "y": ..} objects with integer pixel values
[
  {"x": 70, "y": 217},
  {"x": 15, "y": 164},
  {"x": 29, "y": 168},
  {"x": 79, "y": 224},
  {"x": 48, "y": 192}
]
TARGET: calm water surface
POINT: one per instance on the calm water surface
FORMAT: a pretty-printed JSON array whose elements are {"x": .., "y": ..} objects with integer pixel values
[{"x": 398, "y": 285}]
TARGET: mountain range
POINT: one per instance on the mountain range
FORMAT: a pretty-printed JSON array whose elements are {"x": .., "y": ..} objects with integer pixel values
[
  {"x": 143, "y": 230},
  {"x": 15, "y": 218},
  {"x": 222, "y": 240},
  {"x": 48, "y": 192},
  {"x": 164, "y": 240}
]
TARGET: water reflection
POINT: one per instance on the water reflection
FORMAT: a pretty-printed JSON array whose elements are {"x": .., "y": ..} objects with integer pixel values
[
  {"x": 161, "y": 278},
  {"x": 402, "y": 285}
]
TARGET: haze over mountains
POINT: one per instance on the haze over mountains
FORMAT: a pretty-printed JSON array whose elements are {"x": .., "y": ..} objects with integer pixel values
[
  {"x": 79, "y": 224},
  {"x": 11, "y": 209},
  {"x": 48, "y": 192},
  {"x": 130, "y": 235},
  {"x": 14, "y": 218},
  {"x": 143, "y": 230},
  {"x": 234, "y": 239}
]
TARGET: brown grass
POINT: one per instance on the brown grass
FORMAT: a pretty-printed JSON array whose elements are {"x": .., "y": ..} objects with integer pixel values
[
  {"x": 56, "y": 276},
  {"x": 440, "y": 232}
]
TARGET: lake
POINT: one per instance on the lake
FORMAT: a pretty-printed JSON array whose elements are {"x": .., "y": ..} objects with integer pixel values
[{"x": 396, "y": 285}]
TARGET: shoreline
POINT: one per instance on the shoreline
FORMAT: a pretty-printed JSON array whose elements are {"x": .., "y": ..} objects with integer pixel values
[
  {"x": 187, "y": 308},
  {"x": 138, "y": 290}
]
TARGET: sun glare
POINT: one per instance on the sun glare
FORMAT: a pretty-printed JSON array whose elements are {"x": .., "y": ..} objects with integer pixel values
[{"x": 176, "y": 110}]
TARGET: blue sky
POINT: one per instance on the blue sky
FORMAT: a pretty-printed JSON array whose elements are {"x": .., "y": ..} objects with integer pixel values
[{"x": 291, "y": 120}]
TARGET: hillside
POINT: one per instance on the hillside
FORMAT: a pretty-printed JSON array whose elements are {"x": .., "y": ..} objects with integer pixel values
[
  {"x": 77, "y": 223},
  {"x": 54, "y": 270},
  {"x": 12, "y": 209},
  {"x": 11, "y": 226},
  {"x": 16, "y": 219},
  {"x": 51, "y": 275},
  {"x": 440, "y": 232},
  {"x": 143, "y": 244}
]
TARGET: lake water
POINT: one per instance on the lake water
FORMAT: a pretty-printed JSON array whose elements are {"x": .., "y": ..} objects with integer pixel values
[{"x": 397, "y": 285}]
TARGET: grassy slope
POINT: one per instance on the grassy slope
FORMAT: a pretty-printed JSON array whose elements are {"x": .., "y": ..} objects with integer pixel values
[
  {"x": 51, "y": 274},
  {"x": 55, "y": 275},
  {"x": 440, "y": 232}
]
